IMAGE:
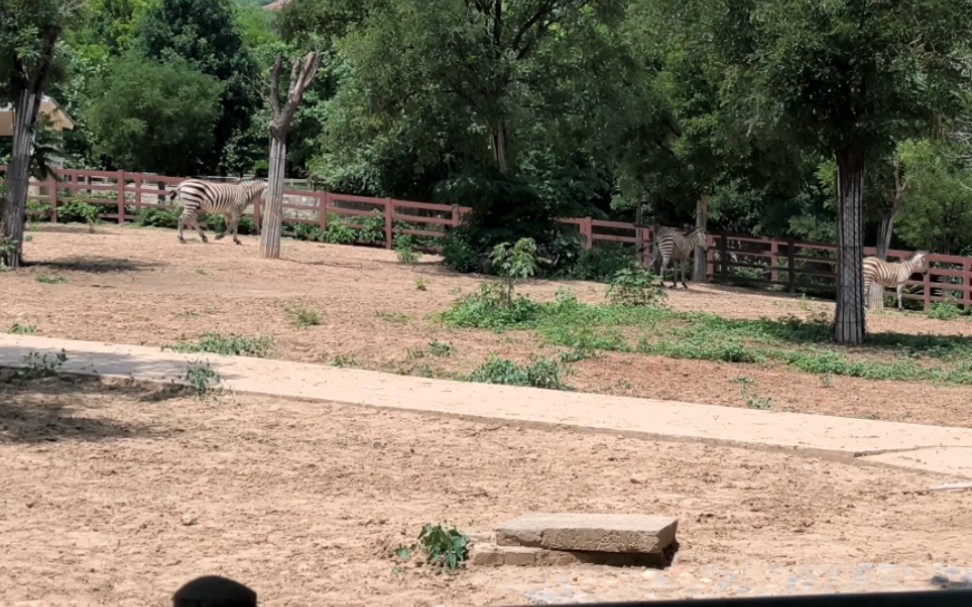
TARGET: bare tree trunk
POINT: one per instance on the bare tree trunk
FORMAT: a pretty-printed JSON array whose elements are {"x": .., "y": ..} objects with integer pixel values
[
  {"x": 700, "y": 261},
  {"x": 500, "y": 147},
  {"x": 884, "y": 232},
  {"x": 18, "y": 179},
  {"x": 849, "y": 320},
  {"x": 273, "y": 209}
]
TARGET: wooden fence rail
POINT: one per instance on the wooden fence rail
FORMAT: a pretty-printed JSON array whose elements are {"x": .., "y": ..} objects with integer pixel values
[{"x": 783, "y": 265}]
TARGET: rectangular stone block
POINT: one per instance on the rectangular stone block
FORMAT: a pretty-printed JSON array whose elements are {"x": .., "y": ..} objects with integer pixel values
[
  {"x": 638, "y": 533},
  {"x": 490, "y": 555}
]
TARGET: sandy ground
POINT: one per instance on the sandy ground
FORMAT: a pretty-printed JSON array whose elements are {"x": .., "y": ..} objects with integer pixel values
[
  {"x": 116, "y": 494},
  {"x": 140, "y": 286}
]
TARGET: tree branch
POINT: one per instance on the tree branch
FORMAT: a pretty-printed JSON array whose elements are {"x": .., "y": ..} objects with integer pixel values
[{"x": 275, "y": 85}]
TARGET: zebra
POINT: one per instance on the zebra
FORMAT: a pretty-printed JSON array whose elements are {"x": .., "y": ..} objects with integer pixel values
[
  {"x": 226, "y": 199},
  {"x": 892, "y": 274},
  {"x": 673, "y": 245}
]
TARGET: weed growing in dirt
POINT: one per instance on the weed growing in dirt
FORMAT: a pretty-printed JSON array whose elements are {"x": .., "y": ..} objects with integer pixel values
[
  {"x": 635, "y": 286},
  {"x": 446, "y": 549},
  {"x": 397, "y": 318},
  {"x": 47, "y": 279},
  {"x": 421, "y": 284},
  {"x": 230, "y": 345},
  {"x": 19, "y": 329},
  {"x": 944, "y": 310},
  {"x": 438, "y": 348},
  {"x": 37, "y": 366},
  {"x": 202, "y": 378},
  {"x": 514, "y": 264},
  {"x": 404, "y": 249},
  {"x": 752, "y": 400},
  {"x": 303, "y": 317},
  {"x": 539, "y": 374},
  {"x": 344, "y": 360}
]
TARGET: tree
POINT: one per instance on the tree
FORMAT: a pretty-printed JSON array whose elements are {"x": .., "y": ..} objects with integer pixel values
[
  {"x": 847, "y": 77},
  {"x": 301, "y": 75},
  {"x": 206, "y": 34},
  {"x": 29, "y": 35},
  {"x": 156, "y": 117}
]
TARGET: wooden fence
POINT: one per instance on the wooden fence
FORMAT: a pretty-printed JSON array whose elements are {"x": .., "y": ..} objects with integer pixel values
[{"x": 781, "y": 265}]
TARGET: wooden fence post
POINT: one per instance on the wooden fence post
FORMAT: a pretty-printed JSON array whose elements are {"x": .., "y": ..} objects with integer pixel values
[
  {"x": 966, "y": 287},
  {"x": 121, "y": 197},
  {"x": 456, "y": 216},
  {"x": 389, "y": 226},
  {"x": 323, "y": 200},
  {"x": 791, "y": 265},
  {"x": 926, "y": 285},
  {"x": 774, "y": 255},
  {"x": 587, "y": 231},
  {"x": 723, "y": 256},
  {"x": 138, "y": 192},
  {"x": 52, "y": 184},
  {"x": 710, "y": 259}
]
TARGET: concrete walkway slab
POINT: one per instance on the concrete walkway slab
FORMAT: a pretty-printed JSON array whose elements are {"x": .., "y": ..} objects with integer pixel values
[{"x": 937, "y": 449}]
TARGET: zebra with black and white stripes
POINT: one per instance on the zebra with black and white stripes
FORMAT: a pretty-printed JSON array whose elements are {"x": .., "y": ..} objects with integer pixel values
[
  {"x": 892, "y": 273},
  {"x": 677, "y": 247},
  {"x": 226, "y": 199}
]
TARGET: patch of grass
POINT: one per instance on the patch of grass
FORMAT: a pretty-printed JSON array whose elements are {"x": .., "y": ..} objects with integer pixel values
[
  {"x": 397, "y": 318},
  {"x": 38, "y": 366},
  {"x": 344, "y": 360},
  {"x": 231, "y": 345},
  {"x": 47, "y": 279},
  {"x": 438, "y": 348},
  {"x": 444, "y": 548},
  {"x": 404, "y": 249},
  {"x": 539, "y": 374},
  {"x": 421, "y": 284},
  {"x": 19, "y": 329},
  {"x": 202, "y": 378},
  {"x": 944, "y": 310},
  {"x": 304, "y": 317},
  {"x": 635, "y": 286}
]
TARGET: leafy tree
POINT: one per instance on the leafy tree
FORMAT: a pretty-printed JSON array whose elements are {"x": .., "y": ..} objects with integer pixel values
[
  {"x": 847, "y": 77},
  {"x": 205, "y": 33},
  {"x": 29, "y": 34},
  {"x": 156, "y": 117}
]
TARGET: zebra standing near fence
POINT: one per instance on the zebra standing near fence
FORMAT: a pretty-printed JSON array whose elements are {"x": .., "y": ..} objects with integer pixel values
[
  {"x": 226, "y": 199},
  {"x": 676, "y": 247},
  {"x": 892, "y": 273}
]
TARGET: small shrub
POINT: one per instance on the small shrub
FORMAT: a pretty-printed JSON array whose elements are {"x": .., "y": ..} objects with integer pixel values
[
  {"x": 404, "y": 249},
  {"x": 539, "y": 374},
  {"x": 489, "y": 309},
  {"x": 421, "y": 284},
  {"x": 19, "y": 329},
  {"x": 164, "y": 217},
  {"x": 303, "y": 317},
  {"x": 945, "y": 310},
  {"x": 514, "y": 264},
  {"x": 345, "y": 360},
  {"x": 80, "y": 212},
  {"x": 50, "y": 280},
  {"x": 444, "y": 548},
  {"x": 230, "y": 345},
  {"x": 202, "y": 378},
  {"x": 38, "y": 211},
  {"x": 634, "y": 286},
  {"x": 37, "y": 366},
  {"x": 437, "y": 348}
]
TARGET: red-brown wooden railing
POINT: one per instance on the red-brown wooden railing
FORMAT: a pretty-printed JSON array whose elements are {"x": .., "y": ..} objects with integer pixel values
[{"x": 785, "y": 265}]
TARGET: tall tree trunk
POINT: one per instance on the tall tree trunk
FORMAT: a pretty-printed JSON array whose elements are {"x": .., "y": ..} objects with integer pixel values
[
  {"x": 849, "y": 318},
  {"x": 18, "y": 178},
  {"x": 273, "y": 209},
  {"x": 500, "y": 147},
  {"x": 884, "y": 232},
  {"x": 700, "y": 261}
]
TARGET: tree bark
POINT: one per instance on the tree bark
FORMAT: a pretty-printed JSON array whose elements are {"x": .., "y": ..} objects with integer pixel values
[
  {"x": 700, "y": 260},
  {"x": 273, "y": 209},
  {"x": 18, "y": 178},
  {"x": 500, "y": 151},
  {"x": 849, "y": 318}
]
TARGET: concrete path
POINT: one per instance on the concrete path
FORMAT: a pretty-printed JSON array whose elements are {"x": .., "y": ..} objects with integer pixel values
[{"x": 929, "y": 448}]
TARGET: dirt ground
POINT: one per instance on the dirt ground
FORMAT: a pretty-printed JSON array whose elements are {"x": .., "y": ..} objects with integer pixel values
[
  {"x": 136, "y": 285},
  {"x": 116, "y": 494}
]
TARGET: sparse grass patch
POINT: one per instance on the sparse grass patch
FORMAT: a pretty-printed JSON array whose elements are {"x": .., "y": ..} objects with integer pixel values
[
  {"x": 404, "y": 249},
  {"x": 48, "y": 279},
  {"x": 944, "y": 310},
  {"x": 230, "y": 345},
  {"x": 539, "y": 374},
  {"x": 302, "y": 317},
  {"x": 397, "y": 318},
  {"x": 443, "y": 548},
  {"x": 19, "y": 329},
  {"x": 38, "y": 366},
  {"x": 344, "y": 360},
  {"x": 421, "y": 284},
  {"x": 438, "y": 348},
  {"x": 202, "y": 378}
]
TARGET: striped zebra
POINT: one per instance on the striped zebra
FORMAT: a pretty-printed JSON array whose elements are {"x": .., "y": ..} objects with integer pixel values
[
  {"x": 892, "y": 273},
  {"x": 676, "y": 247},
  {"x": 226, "y": 199}
]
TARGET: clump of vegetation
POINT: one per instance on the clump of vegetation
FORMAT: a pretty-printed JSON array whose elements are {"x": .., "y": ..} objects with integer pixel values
[
  {"x": 945, "y": 310},
  {"x": 398, "y": 318},
  {"x": 752, "y": 399},
  {"x": 634, "y": 286},
  {"x": 421, "y": 284},
  {"x": 438, "y": 348},
  {"x": 80, "y": 212},
  {"x": 47, "y": 279},
  {"x": 19, "y": 329},
  {"x": 539, "y": 374},
  {"x": 405, "y": 249},
  {"x": 38, "y": 366},
  {"x": 514, "y": 264},
  {"x": 445, "y": 548},
  {"x": 302, "y": 317},
  {"x": 230, "y": 345},
  {"x": 202, "y": 378},
  {"x": 344, "y": 360}
]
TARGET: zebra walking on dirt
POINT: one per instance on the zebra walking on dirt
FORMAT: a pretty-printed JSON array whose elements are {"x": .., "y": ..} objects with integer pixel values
[
  {"x": 891, "y": 273},
  {"x": 226, "y": 199},
  {"x": 676, "y": 247}
]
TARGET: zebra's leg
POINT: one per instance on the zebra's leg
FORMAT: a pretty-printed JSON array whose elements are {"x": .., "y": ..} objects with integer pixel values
[
  {"x": 664, "y": 265},
  {"x": 182, "y": 220},
  {"x": 681, "y": 269},
  {"x": 898, "y": 289},
  {"x": 234, "y": 224},
  {"x": 199, "y": 229}
]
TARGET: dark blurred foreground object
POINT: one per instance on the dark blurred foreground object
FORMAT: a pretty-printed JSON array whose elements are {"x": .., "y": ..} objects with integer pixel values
[
  {"x": 214, "y": 591},
  {"x": 924, "y": 598}
]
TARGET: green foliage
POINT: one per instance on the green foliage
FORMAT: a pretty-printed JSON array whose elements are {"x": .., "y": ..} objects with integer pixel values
[
  {"x": 539, "y": 374},
  {"x": 202, "y": 378},
  {"x": 19, "y": 329},
  {"x": 39, "y": 366},
  {"x": 151, "y": 116},
  {"x": 80, "y": 212},
  {"x": 229, "y": 345},
  {"x": 156, "y": 217},
  {"x": 514, "y": 264},
  {"x": 945, "y": 310},
  {"x": 47, "y": 279},
  {"x": 438, "y": 348},
  {"x": 444, "y": 548},
  {"x": 404, "y": 249},
  {"x": 635, "y": 286},
  {"x": 303, "y": 317}
]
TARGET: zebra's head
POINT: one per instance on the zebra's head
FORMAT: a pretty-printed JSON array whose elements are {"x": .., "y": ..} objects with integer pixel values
[
  {"x": 699, "y": 238},
  {"x": 920, "y": 259},
  {"x": 255, "y": 188}
]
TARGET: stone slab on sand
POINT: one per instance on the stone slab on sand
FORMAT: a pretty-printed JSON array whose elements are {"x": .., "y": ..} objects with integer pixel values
[
  {"x": 491, "y": 555},
  {"x": 627, "y": 533}
]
